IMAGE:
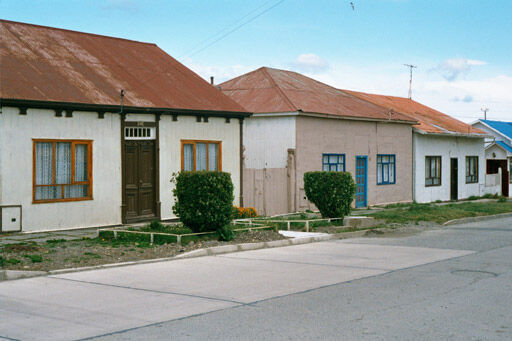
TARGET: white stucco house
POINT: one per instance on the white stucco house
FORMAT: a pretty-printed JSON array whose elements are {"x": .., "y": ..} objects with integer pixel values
[
  {"x": 498, "y": 150},
  {"x": 448, "y": 155},
  {"x": 92, "y": 128}
]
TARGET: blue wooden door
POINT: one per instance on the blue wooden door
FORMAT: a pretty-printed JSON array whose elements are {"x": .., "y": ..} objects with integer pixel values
[{"x": 361, "y": 180}]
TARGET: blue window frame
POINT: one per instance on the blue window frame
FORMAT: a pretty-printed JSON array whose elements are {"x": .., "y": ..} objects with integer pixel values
[
  {"x": 386, "y": 174},
  {"x": 333, "y": 162}
]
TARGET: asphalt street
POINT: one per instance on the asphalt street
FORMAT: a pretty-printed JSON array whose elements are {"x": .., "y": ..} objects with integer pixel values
[{"x": 450, "y": 283}]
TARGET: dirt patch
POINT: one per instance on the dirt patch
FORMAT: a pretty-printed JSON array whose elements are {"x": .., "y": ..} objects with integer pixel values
[{"x": 60, "y": 254}]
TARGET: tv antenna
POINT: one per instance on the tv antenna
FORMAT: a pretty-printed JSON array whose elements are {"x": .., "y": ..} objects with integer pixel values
[
  {"x": 410, "y": 66},
  {"x": 485, "y": 110}
]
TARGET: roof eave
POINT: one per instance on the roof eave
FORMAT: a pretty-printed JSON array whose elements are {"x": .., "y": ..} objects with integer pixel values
[
  {"x": 495, "y": 130},
  {"x": 38, "y": 104},
  {"x": 355, "y": 118},
  {"x": 452, "y": 134}
]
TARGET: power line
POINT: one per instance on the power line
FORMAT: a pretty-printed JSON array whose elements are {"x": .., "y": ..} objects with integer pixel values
[
  {"x": 224, "y": 29},
  {"x": 236, "y": 28}
]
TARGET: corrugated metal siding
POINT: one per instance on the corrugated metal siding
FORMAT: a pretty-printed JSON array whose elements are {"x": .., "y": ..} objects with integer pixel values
[{"x": 267, "y": 90}]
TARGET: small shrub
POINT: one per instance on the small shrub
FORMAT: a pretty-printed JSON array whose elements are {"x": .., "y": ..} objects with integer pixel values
[
  {"x": 13, "y": 261},
  {"x": 488, "y": 196},
  {"x": 473, "y": 197},
  {"x": 2, "y": 261},
  {"x": 34, "y": 258},
  {"x": 244, "y": 212},
  {"x": 502, "y": 199},
  {"x": 204, "y": 199},
  {"x": 331, "y": 192},
  {"x": 155, "y": 225},
  {"x": 225, "y": 233}
]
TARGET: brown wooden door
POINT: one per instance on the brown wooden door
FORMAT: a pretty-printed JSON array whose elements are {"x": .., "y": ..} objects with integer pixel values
[
  {"x": 139, "y": 180},
  {"x": 454, "y": 179}
]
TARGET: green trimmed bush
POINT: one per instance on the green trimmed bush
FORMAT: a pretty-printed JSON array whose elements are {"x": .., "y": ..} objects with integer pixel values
[
  {"x": 203, "y": 200},
  {"x": 331, "y": 192}
]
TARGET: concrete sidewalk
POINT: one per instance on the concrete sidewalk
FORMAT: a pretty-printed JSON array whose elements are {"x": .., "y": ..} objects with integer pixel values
[{"x": 101, "y": 302}]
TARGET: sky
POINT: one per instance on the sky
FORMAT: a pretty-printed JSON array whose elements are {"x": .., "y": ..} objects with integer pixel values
[{"x": 462, "y": 48}]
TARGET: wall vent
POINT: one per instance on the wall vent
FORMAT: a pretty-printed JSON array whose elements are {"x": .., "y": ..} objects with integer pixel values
[{"x": 139, "y": 133}]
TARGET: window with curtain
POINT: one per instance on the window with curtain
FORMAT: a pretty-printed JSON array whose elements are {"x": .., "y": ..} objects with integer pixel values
[
  {"x": 471, "y": 169},
  {"x": 385, "y": 169},
  {"x": 333, "y": 162},
  {"x": 201, "y": 155},
  {"x": 62, "y": 170},
  {"x": 432, "y": 171}
]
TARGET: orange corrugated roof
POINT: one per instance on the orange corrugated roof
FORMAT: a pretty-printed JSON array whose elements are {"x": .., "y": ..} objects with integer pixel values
[
  {"x": 268, "y": 90},
  {"x": 50, "y": 64},
  {"x": 429, "y": 120}
]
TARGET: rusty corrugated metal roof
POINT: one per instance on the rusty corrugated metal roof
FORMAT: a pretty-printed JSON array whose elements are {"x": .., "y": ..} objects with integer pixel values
[
  {"x": 429, "y": 120},
  {"x": 268, "y": 90},
  {"x": 50, "y": 64}
]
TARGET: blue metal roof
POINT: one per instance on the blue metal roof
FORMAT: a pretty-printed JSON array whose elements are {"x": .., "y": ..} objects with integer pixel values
[
  {"x": 503, "y": 127},
  {"x": 505, "y": 146}
]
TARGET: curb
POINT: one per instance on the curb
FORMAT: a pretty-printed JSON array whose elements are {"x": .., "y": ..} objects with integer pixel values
[
  {"x": 479, "y": 218},
  {"x": 6, "y": 275}
]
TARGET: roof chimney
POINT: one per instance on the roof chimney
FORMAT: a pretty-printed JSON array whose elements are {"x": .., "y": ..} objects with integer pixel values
[{"x": 211, "y": 80}]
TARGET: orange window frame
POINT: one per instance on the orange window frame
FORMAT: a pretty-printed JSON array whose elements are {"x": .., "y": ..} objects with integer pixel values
[
  {"x": 207, "y": 142},
  {"x": 88, "y": 143}
]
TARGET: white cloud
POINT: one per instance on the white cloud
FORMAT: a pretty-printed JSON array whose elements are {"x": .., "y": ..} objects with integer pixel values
[
  {"x": 451, "y": 69},
  {"x": 310, "y": 63},
  {"x": 461, "y": 99}
]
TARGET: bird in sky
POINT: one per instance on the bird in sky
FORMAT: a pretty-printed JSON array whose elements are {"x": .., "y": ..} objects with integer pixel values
[{"x": 352, "y": 5}]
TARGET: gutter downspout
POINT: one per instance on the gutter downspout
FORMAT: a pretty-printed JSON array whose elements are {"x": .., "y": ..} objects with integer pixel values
[
  {"x": 241, "y": 121},
  {"x": 413, "y": 168}
]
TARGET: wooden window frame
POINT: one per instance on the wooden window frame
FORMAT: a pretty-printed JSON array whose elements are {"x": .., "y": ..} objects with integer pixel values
[
  {"x": 88, "y": 143},
  {"x": 337, "y": 163},
  {"x": 429, "y": 175},
  {"x": 388, "y": 163},
  {"x": 473, "y": 178},
  {"x": 207, "y": 142}
]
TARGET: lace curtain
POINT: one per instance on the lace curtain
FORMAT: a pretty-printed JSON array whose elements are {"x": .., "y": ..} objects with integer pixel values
[
  {"x": 188, "y": 157},
  {"x": 63, "y": 171},
  {"x": 200, "y": 156}
]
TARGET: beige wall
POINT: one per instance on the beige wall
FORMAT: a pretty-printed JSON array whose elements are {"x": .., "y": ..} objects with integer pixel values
[
  {"x": 353, "y": 138},
  {"x": 16, "y": 134},
  {"x": 187, "y": 128}
]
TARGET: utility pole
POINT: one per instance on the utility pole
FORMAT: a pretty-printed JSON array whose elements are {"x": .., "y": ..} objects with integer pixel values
[
  {"x": 410, "y": 66},
  {"x": 485, "y": 110}
]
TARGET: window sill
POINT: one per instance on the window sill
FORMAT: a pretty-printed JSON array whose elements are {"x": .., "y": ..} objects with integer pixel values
[
  {"x": 386, "y": 183},
  {"x": 432, "y": 185},
  {"x": 49, "y": 201}
]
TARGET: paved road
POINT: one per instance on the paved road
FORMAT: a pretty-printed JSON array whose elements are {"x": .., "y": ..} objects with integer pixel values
[{"x": 453, "y": 283}]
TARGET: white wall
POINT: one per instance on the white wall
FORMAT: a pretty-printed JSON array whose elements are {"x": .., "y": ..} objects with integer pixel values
[
  {"x": 186, "y": 128},
  {"x": 447, "y": 148},
  {"x": 498, "y": 151},
  {"x": 16, "y": 134},
  {"x": 267, "y": 140}
]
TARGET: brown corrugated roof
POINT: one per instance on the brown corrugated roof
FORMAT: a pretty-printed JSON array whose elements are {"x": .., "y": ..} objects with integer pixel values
[
  {"x": 50, "y": 64},
  {"x": 268, "y": 90},
  {"x": 429, "y": 120}
]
